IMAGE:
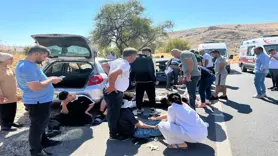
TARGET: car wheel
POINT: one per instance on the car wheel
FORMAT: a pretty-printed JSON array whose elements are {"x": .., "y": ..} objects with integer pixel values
[{"x": 243, "y": 69}]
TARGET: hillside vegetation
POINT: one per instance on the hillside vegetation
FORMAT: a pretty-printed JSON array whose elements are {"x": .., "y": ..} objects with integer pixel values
[{"x": 230, "y": 34}]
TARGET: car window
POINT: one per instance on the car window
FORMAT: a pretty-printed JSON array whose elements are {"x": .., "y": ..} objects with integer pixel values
[{"x": 69, "y": 51}]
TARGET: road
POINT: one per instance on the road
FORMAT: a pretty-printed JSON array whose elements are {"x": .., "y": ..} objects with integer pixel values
[{"x": 241, "y": 126}]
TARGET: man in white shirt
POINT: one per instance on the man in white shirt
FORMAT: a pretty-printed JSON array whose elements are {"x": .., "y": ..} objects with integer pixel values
[
  {"x": 273, "y": 69},
  {"x": 118, "y": 82},
  {"x": 208, "y": 63}
]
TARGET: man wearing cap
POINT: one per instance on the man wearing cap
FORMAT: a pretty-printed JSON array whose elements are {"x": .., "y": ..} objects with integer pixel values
[
  {"x": 221, "y": 75},
  {"x": 191, "y": 73},
  {"x": 37, "y": 96},
  {"x": 118, "y": 82}
]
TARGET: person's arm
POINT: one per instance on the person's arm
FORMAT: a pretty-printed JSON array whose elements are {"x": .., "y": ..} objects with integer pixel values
[
  {"x": 168, "y": 62},
  {"x": 140, "y": 124},
  {"x": 64, "y": 107},
  {"x": 33, "y": 81},
  {"x": 265, "y": 62},
  {"x": 275, "y": 57},
  {"x": 206, "y": 61},
  {"x": 106, "y": 67},
  {"x": 162, "y": 117},
  {"x": 91, "y": 106},
  {"x": 152, "y": 70}
]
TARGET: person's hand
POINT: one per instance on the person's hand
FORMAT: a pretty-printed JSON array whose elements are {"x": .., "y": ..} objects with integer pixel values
[
  {"x": 2, "y": 98},
  {"x": 153, "y": 118},
  {"x": 65, "y": 111},
  {"x": 88, "y": 114},
  {"x": 110, "y": 89},
  {"x": 157, "y": 83},
  {"x": 156, "y": 127},
  {"x": 55, "y": 79}
]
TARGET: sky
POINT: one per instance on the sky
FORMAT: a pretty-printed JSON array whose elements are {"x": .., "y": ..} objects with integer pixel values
[{"x": 21, "y": 18}]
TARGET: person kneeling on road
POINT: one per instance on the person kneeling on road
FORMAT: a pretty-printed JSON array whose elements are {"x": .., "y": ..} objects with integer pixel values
[
  {"x": 183, "y": 125},
  {"x": 75, "y": 110}
]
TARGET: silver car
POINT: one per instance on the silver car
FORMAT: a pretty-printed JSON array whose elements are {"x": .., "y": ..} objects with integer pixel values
[{"x": 73, "y": 58}]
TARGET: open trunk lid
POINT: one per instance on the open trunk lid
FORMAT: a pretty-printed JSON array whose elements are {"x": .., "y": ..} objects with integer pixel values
[{"x": 66, "y": 47}]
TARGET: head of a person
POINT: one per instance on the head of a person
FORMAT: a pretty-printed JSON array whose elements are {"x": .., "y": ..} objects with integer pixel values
[
  {"x": 112, "y": 53},
  {"x": 130, "y": 54},
  {"x": 66, "y": 96},
  {"x": 174, "y": 98},
  {"x": 38, "y": 53},
  {"x": 258, "y": 50},
  {"x": 6, "y": 59},
  {"x": 162, "y": 56},
  {"x": 202, "y": 52},
  {"x": 176, "y": 53},
  {"x": 272, "y": 51},
  {"x": 147, "y": 51},
  {"x": 215, "y": 53}
]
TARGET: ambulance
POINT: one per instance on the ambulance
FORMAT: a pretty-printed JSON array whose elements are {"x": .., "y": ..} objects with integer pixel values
[
  {"x": 247, "y": 57},
  {"x": 209, "y": 46}
]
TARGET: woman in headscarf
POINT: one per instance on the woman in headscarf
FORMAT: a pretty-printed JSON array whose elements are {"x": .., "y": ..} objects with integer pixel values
[{"x": 8, "y": 98}]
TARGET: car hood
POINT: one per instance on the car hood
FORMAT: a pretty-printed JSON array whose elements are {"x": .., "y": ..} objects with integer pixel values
[{"x": 66, "y": 47}]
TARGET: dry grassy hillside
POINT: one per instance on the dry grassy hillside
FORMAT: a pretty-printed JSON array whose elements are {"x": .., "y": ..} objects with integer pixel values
[{"x": 231, "y": 34}]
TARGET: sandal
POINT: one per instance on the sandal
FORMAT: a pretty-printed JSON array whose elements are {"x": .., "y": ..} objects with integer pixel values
[{"x": 178, "y": 146}]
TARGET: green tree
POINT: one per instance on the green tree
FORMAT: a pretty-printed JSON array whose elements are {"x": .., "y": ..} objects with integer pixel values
[
  {"x": 26, "y": 49},
  {"x": 176, "y": 44},
  {"x": 121, "y": 25}
]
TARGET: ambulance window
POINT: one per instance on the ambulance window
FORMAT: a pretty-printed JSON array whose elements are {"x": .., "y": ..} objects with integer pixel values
[{"x": 249, "y": 51}]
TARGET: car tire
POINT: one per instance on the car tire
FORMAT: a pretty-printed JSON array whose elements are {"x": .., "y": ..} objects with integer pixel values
[{"x": 243, "y": 69}]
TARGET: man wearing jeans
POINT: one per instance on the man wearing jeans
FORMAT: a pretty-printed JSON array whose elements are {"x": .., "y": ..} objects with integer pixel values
[
  {"x": 118, "y": 82},
  {"x": 191, "y": 73},
  {"x": 38, "y": 94},
  {"x": 261, "y": 70}
]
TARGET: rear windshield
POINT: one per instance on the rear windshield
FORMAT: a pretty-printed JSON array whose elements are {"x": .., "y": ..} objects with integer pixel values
[
  {"x": 272, "y": 46},
  {"x": 223, "y": 52},
  {"x": 69, "y": 51},
  {"x": 160, "y": 66}
]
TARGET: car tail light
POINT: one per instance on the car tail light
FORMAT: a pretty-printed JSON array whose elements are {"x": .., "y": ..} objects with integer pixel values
[{"x": 97, "y": 79}]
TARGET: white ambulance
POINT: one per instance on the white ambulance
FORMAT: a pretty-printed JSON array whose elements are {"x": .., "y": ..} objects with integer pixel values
[
  {"x": 221, "y": 47},
  {"x": 247, "y": 57}
]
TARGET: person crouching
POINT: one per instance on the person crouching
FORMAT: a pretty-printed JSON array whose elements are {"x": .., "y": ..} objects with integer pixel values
[{"x": 183, "y": 124}]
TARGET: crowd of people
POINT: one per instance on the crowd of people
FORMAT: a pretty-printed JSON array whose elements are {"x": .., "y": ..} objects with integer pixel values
[{"x": 183, "y": 124}]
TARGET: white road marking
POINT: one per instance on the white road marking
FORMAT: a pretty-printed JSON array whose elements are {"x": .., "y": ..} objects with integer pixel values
[{"x": 222, "y": 148}]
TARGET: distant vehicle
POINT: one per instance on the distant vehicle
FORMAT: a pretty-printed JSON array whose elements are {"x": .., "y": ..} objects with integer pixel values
[
  {"x": 73, "y": 57},
  {"x": 160, "y": 67},
  {"x": 247, "y": 57},
  {"x": 221, "y": 47}
]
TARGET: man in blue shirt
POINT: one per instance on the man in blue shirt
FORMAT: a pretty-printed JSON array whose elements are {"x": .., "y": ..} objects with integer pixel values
[
  {"x": 38, "y": 94},
  {"x": 261, "y": 70}
]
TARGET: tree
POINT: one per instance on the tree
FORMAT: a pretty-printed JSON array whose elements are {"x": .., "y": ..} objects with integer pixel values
[
  {"x": 121, "y": 25},
  {"x": 176, "y": 44},
  {"x": 26, "y": 49}
]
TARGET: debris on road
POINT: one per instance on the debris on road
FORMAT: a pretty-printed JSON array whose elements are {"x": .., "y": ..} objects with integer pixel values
[{"x": 152, "y": 147}]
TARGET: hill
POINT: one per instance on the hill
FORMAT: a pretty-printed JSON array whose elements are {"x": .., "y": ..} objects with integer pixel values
[{"x": 230, "y": 34}]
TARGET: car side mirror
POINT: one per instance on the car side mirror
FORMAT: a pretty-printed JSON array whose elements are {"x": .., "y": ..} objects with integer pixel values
[{"x": 231, "y": 57}]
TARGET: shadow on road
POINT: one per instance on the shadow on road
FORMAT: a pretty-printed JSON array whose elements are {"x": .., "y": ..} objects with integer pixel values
[
  {"x": 234, "y": 72},
  {"x": 199, "y": 150},
  {"x": 241, "y": 108},
  {"x": 232, "y": 88},
  {"x": 120, "y": 148},
  {"x": 72, "y": 140},
  {"x": 270, "y": 100}
]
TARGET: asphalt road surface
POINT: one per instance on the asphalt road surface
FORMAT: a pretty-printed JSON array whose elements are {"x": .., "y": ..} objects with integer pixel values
[{"x": 241, "y": 126}]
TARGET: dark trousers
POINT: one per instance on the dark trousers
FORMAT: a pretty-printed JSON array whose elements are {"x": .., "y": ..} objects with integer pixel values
[
  {"x": 72, "y": 119},
  {"x": 191, "y": 89},
  {"x": 140, "y": 90},
  {"x": 205, "y": 88},
  {"x": 174, "y": 75},
  {"x": 39, "y": 115},
  {"x": 114, "y": 103},
  {"x": 274, "y": 76},
  {"x": 7, "y": 114}
]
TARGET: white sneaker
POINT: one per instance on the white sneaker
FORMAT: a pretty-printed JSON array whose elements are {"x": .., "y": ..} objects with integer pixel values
[{"x": 258, "y": 96}]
